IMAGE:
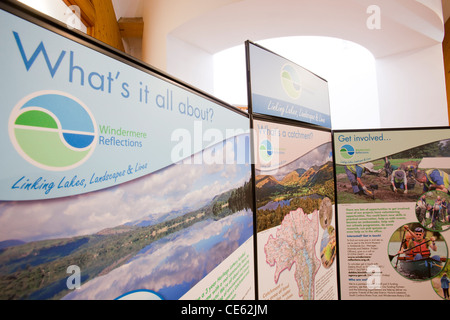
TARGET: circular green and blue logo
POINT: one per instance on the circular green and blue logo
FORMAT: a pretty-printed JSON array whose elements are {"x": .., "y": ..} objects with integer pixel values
[
  {"x": 265, "y": 150},
  {"x": 290, "y": 81},
  {"x": 347, "y": 151},
  {"x": 53, "y": 130}
]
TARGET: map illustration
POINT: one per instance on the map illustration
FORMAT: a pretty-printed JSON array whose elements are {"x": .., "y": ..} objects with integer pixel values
[{"x": 295, "y": 243}]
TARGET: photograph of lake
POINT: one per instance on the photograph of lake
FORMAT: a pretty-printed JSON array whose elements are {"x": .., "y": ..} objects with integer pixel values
[{"x": 163, "y": 232}]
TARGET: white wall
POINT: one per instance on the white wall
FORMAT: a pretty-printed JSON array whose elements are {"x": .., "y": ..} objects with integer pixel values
[
  {"x": 161, "y": 17},
  {"x": 348, "y": 67},
  {"x": 407, "y": 49},
  {"x": 190, "y": 64},
  {"x": 412, "y": 88}
]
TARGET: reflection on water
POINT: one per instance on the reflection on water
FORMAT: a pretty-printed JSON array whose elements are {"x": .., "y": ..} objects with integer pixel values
[
  {"x": 172, "y": 265},
  {"x": 273, "y": 205}
]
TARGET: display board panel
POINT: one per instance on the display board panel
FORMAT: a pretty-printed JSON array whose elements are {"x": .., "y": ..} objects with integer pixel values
[
  {"x": 117, "y": 181},
  {"x": 281, "y": 88},
  {"x": 393, "y": 213},
  {"x": 295, "y": 220}
]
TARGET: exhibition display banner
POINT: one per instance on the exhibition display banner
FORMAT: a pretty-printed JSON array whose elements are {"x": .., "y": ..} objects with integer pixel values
[
  {"x": 75, "y": 120},
  {"x": 283, "y": 89},
  {"x": 116, "y": 181},
  {"x": 393, "y": 212},
  {"x": 294, "y": 190}
]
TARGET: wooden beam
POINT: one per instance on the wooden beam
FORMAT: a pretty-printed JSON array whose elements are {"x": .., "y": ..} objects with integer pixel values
[
  {"x": 100, "y": 19},
  {"x": 87, "y": 12},
  {"x": 131, "y": 27},
  {"x": 446, "y": 49},
  {"x": 106, "y": 28}
]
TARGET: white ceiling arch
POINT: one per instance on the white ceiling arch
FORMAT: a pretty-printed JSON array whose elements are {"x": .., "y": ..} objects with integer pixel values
[
  {"x": 182, "y": 38},
  {"x": 404, "y": 24}
]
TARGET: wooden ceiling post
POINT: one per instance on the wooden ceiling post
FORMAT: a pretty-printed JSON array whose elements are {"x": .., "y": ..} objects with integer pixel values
[{"x": 100, "y": 19}]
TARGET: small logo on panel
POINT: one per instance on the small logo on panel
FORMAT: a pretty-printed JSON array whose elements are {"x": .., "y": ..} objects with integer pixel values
[
  {"x": 290, "y": 81},
  {"x": 265, "y": 150},
  {"x": 53, "y": 130},
  {"x": 347, "y": 151}
]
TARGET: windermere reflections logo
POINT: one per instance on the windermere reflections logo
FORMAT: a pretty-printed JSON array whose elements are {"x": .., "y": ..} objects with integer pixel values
[
  {"x": 347, "y": 151},
  {"x": 53, "y": 130},
  {"x": 265, "y": 151},
  {"x": 290, "y": 81}
]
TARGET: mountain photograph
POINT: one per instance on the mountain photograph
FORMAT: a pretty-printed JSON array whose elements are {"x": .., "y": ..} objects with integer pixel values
[{"x": 302, "y": 183}]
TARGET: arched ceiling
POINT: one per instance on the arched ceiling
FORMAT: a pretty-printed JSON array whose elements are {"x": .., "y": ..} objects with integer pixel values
[{"x": 404, "y": 24}]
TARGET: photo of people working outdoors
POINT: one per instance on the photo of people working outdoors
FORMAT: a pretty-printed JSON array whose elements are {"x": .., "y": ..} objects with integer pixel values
[
  {"x": 433, "y": 211},
  {"x": 441, "y": 283},
  {"x": 400, "y": 177}
]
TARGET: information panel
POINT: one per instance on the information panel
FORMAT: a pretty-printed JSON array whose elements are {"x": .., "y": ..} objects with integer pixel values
[
  {"x": 294, "y": 190},
  {"x": 283, "y": 89},
  {"x": 116, "y": 182},
  {"x": 393, "y": 213}
]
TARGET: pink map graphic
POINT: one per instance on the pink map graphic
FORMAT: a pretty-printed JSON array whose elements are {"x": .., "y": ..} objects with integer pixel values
[{"x": 295, "y": 243}]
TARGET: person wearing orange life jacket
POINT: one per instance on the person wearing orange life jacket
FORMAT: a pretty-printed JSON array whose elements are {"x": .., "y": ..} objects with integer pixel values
[
  {"x": 421, "y": 246},
  {"x": 434, "y": 179}
]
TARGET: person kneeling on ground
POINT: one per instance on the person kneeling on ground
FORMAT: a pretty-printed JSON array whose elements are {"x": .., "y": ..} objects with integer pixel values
[{"x": 399, "y": 181}]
